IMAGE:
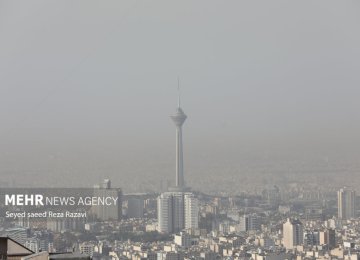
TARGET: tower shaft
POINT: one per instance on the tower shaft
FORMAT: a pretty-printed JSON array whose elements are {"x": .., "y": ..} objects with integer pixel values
[
  {"x": 179, "y": 118},
  {"x": 179, "y": 158}
]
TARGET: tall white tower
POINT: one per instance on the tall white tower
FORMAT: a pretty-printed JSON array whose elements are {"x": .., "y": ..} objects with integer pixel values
[
  {"x": 179, "y": 118},
  {"x": 178, "y": 209}
]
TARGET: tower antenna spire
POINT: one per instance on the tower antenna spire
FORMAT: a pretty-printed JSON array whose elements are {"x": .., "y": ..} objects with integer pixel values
[{"x": 178, "y": 79}]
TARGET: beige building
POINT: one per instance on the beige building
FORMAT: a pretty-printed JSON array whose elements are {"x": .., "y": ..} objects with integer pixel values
[{"x": 292, "y": 233}]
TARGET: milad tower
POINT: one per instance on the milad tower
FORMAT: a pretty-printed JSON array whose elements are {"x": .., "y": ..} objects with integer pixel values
[
  {"x": 179, "y": 118},
  {"x": 178, "y": 208}
]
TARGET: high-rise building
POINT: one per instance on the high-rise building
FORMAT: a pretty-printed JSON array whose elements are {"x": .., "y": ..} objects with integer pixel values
[
  {"x": 272, "y": 196},
  {"x": 292, "y": 233},
  {"x": 107, "y": 184},
  {"x": 177, "y": 211},
  {"x": 135, "y": 207},
  {"x": 108, "y": 212},
  {"x": 346, "y": 204},
  {"x": 165, "y": 212},
  {"x": 312, "y": 238},
  {"x": 249, "y": 222},
  {"x": 327, "y": 237},
  {"x": 182, "y": 239},
  {"x": 191, "y": 211}
]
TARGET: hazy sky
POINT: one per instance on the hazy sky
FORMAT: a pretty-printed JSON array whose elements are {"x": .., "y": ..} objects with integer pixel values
[{"x": 88, "y": 86}]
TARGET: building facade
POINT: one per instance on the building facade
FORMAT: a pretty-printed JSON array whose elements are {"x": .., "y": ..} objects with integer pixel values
[
  {"x": 108, "y": 212},
  {"x": 292, "y": 233},
  {"x": 346, "y": 204},
  {"x": 177, "y": 211}
]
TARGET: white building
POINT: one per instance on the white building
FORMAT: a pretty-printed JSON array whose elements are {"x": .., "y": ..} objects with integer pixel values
[
  {"x": 191, "y": 211},
  {"x": 176, "y": 211},
  {"x": 346, "y": 204},
  {"x": 292, "y": 233}
]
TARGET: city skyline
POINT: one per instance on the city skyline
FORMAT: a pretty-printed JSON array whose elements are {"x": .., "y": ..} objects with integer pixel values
[{"x": 258, "y": 160}]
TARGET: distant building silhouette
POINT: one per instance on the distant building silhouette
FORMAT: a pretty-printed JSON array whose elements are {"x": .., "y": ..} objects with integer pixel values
[
  {"x": 249, "y": 222},
  {"x": 135, "y": 207},
  {"x": 108, "y": 212},
  {"x": 346, "y": 204}
]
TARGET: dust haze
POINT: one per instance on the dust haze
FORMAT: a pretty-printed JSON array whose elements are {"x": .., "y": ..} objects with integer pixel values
[{"x": 271, "y": 90}]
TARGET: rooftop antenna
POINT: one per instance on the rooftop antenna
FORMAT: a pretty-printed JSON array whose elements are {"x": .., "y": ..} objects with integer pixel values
[{"x": 178, "y": 79}]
